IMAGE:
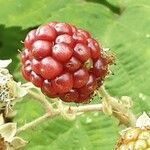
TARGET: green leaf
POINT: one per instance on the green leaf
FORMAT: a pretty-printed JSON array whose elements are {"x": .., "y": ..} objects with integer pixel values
[
  {"x": 123, "y": 26},
  {"x": 26, "y": 14},
  {"x": 131, "y": 46}
]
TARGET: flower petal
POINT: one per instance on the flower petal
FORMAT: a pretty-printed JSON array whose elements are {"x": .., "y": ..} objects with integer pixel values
[
  {"x": 8, "y": 131},
  {"x": 5, "y": 63},
  {"x": 1, "y": 119},
  {"x": 18, "y": 142},
  {"x": 22, "y": 90},
  {"x": 9, "y": 147}
]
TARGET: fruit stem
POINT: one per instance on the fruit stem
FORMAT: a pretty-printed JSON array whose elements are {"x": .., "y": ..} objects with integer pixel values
[
  {"x": 87, "y": 108},
  {"x": 37, "y": 121},
  {"x": 57, "y": 112},
  {"x": 124, "y": 115},
  {"x": 104, "y": 93},
  {"x": 42, "y": 99}
]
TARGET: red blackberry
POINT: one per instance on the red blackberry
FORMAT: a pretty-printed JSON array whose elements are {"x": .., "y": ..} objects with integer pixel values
[{"x": 56, "y": 58}]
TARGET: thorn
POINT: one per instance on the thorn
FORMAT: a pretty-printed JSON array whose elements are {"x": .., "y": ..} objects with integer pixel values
[
  {"x": 22, "y": 42},
  {"x": 69, "y": 109},
  {"x": 19, "y": 51},
  {"x": 94, "y": 95}
]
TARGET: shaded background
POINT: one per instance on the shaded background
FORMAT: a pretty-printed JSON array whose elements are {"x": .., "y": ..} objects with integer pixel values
[{"x": 122, "y": 25}]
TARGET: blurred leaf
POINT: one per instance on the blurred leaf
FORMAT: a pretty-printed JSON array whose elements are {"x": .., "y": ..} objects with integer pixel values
[
  {"x": 10, "y": 42},
  {"x": 26, "y": 13},
  {"x": 129, "y": 37},
  {"x": 120, "y": 25}
]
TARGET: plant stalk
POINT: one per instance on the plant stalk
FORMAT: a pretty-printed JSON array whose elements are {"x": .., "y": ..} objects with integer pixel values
[
  {"x": 42, "y": 99},
  {"x": 56, "y": 112},
  {"x": 124, "y": 115},
  {"x": 37, "y": 121}
]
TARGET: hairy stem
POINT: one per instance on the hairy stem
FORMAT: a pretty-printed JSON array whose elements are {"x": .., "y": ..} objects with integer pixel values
[
  {"x": 41, "y": 98},
  {"x": 119, "y": 111},
  {"x": 87, "y": 108},
  {"x": 37, "y": 121},
  {"x": 56, "y": 112},
  {"x": 124, "y": 115}
]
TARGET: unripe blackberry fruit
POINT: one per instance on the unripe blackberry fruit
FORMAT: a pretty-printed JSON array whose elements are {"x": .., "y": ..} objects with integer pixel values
[
  {"x": 63, "y": 61},
  {"x": 136, "y": 138}
]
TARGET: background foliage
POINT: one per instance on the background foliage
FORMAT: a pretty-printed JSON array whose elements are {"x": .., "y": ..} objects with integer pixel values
[{"x": 122, "y": 25}]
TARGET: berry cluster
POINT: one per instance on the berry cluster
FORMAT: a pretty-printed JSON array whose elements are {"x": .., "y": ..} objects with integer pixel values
[
  {"x": 135, "y": 139},
  {"x": 63, "y": 61}
]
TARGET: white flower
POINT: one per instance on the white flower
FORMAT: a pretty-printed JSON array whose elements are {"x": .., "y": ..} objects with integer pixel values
[{"x": 8, "y": 140}]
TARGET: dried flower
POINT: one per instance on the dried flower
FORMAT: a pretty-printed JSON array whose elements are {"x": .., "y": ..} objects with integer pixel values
[{"x": 8, "y": 140}]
